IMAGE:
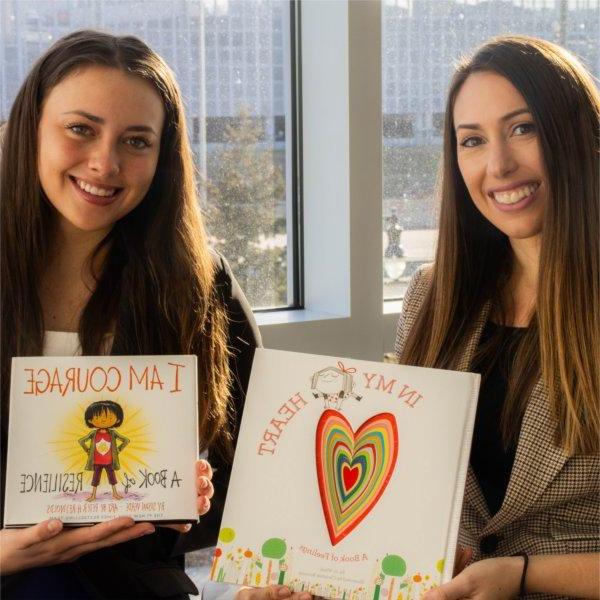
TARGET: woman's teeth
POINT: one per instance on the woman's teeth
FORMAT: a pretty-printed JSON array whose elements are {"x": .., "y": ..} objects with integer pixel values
[
  {"x": 91, "y": 189},
  {"x": 514, "y": 196}
]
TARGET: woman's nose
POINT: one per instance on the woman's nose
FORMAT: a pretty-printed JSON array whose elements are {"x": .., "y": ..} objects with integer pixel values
[
  {"x": 501, "y": 161},
  {"x": 104, "y": 160}
]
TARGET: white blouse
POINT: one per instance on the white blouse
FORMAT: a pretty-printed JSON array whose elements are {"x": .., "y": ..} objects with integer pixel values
[{"x": 61, "y": 343}]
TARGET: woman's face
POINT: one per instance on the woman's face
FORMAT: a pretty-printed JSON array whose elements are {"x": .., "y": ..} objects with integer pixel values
[
  {"x": 98, "y": 146},
  {"x": 499, "y": 155}
]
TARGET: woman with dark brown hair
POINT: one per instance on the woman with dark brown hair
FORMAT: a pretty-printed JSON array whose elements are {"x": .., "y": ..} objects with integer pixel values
[
  {"x": 514, "y": 295},
  {"x": 104, "y": 251}
]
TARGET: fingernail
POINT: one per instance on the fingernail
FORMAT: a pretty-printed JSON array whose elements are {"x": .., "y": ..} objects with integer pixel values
[
  {"x": 187, "y": 527},
  {"x": 147, "y": 531},
  {"x": 203, "y": 464},
  {"x": 203, "y": 483},
  {"x": 283, "y": 592},
  {"x": 54, "y": 525}
]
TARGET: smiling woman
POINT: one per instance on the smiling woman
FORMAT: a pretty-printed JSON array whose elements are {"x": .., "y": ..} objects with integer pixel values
[
  {"x": 513, "y": 294},
  {"x": 103, "y": 243}
]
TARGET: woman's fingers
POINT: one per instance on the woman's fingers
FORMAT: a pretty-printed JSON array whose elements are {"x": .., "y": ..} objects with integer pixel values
[
  {"x": 95, "y": 534},
  {"x": 104, "y": 537},
  {"x": 205, "y": 487},
  {"x": 181, "y": 527},
  {"x": 271, "y": 592},
  {"x": 39, "y": 533},
  {"x": 48, "y": 543},
  {"x": 203, "y": 468},
  {"x": 205, "y": 491},
  {"x": 203, "y": 505}
]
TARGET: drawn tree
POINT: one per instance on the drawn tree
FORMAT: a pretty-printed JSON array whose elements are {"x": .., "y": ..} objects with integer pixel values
[
  {"x": 392, "y": 566},
  {"x": 274, "y": 549}
]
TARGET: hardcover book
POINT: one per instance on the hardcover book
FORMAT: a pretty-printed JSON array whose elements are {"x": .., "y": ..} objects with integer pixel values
[
  {"x": 96, "y": 437},
  {"x": 348, "y": 477}
]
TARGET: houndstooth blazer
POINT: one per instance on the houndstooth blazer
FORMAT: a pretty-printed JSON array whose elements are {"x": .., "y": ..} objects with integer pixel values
[{"x": 552, "y": 501}]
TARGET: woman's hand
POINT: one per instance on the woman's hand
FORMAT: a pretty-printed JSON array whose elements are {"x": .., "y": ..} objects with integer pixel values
[
  {"x": 204, "y": 486},
  {"x": 205, "y": 491},
  {"x": 489, "y": 579},
  {"x": 271, "y": 592},
  {"x": 47, "y": 543}
]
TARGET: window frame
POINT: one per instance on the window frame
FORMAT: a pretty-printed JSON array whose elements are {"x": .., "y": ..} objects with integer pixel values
[{"x": 341, "y": 183}]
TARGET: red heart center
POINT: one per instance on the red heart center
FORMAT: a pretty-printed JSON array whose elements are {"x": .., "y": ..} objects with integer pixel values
[{"x": 350, "y": 476}]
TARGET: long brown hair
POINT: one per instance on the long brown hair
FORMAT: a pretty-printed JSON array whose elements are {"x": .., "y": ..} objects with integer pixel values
[
  {"x": 157, "y": 287},
  {"x": 473, "y": 258}
]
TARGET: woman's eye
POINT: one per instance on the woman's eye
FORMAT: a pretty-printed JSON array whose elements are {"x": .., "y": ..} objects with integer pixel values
[
  {"x": 471, "y": 142},
  {"x": 524, "y": 128},
  {"x": 138, "y": 143},
  {"x": 79, "y": 129}
]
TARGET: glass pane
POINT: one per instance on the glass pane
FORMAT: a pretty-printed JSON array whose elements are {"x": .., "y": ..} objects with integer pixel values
[
  {"x": 421, "y": 41},
  {"x": 231, "y": 59}
]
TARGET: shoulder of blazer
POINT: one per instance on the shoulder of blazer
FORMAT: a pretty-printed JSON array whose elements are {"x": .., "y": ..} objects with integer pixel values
[{"x": 411, "y": 304}]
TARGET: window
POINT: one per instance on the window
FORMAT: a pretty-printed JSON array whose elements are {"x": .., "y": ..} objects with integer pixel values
[
  {"x": 231, "y": 114},
  {"x": 434, "y": 35}
]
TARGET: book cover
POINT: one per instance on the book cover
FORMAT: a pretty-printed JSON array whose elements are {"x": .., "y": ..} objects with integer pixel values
[
  {"x": 348, "y": 477},
  {"x": 97, "y": 437}
]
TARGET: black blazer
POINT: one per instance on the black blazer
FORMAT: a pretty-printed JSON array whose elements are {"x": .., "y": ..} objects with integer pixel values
[{"x": 153, "y": 566}]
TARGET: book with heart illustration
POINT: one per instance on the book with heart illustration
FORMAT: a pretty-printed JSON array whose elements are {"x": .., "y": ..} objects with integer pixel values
[
  {"x": 92, "y": 438},
  {"x": 348, "y": 477}
]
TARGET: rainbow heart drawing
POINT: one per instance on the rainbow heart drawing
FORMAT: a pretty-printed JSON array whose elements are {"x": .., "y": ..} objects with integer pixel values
[{"x": 353, "y": 467}]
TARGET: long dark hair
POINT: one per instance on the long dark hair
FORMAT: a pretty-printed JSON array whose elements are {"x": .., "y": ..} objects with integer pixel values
[
  {"x": 473, "y": 258},
  {"x": 156, "y": 289}
]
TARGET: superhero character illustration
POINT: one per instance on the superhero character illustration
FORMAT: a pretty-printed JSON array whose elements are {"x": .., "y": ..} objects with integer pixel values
[{"x": 103, "y": 444}]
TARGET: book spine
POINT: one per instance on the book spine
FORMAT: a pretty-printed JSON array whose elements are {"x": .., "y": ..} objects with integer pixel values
[{"x": 461, "y": 478}]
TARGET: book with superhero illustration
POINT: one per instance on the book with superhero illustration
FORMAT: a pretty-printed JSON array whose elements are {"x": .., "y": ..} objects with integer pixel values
[
  {"x": 348, "y": 477},
  {"x": 96, "y": 437}
]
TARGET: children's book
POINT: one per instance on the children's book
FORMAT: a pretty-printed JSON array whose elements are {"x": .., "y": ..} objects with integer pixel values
[
  {"x": 96, "y": 437},
  {"x": 348, "y": 477}
]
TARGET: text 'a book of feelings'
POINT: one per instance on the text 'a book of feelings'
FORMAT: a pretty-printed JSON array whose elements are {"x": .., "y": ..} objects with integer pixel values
[
  {"x": 97, "y": 437},
  {"x": 348, "y": 477}
]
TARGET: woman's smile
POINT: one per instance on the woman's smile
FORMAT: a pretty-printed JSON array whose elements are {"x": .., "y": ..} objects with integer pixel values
[
  {"x": 515, "y": 197},
  {"x": 95, "y": 193}
]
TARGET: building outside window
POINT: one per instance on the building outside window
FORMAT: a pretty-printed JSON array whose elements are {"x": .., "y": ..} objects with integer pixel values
[
  {"x": 422, "y": 39},
  {"x": 232, "y": 61}
]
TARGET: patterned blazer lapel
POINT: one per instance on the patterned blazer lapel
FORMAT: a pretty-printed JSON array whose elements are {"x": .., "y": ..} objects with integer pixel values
[
  {"x": 464, "y": 364},
  {"x": 537, "y": 462},
  {"x": 475, "y": 495},
  {"x": 536, "y": 447}
]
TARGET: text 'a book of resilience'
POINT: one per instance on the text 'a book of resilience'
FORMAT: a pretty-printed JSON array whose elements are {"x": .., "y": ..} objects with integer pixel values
[
  {"x": 348, "y": 477},
  {"x": 97, "y": 437}
]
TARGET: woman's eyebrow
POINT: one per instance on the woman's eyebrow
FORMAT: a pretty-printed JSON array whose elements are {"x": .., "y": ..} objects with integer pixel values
[
  {"x": 102, "y": 121},
  {"x": 87, "y": 115},
  {"x": 506, "y": 117}
]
